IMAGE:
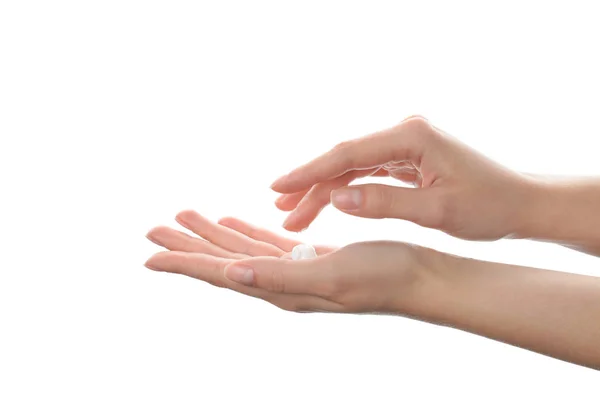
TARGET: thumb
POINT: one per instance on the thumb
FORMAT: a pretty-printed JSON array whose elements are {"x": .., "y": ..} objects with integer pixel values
[
  {"x": 383, "y": 201},
  {"x": 277, "y": 274}
]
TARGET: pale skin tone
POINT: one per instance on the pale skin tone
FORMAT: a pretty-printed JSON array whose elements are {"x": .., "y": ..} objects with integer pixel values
[{"x": 456, "y": 190}]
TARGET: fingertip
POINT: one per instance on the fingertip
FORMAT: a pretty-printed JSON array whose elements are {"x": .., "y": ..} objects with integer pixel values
[
  {"x": 226, "y": 221},
  {"x": 185, "y": 213},
  {"x": 415, "y": 116},
  {"x": 286, "y": 186},
  {"x": 295, "y": 229},
  {"x": 151, "y": 263},
  {"x": 283, "y": 205},
  {"x": 292, "y": 223},
  {"x": 158, "y": 230},
  {"x": 278, "y": 183},
  {"x": 155, "y": 233},
  {"x": 183, "y": 217},
  {"x": 150, "y": 267}
]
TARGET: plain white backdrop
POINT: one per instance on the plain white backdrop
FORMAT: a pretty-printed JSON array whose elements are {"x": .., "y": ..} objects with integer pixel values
[{"x": 115, "y": 115}]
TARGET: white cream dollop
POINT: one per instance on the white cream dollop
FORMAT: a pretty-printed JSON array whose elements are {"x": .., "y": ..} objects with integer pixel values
[{"x": 303, "y": 252}]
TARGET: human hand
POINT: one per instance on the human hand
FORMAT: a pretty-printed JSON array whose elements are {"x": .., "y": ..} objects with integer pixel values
[
  {"x": 375, "y": 277},
  {"x": 457, "y": 190}
]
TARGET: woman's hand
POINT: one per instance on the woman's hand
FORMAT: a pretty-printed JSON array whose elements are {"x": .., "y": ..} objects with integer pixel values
[
  {"x": 457, "y": 190},
  {"x": 550, "y": 312},
  {"x": 372, "y": 277}
]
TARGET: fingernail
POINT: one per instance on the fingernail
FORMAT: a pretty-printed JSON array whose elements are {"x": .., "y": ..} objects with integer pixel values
[
  {"x": 240, "y": 274},
  {"x": 346, "y": 199}
]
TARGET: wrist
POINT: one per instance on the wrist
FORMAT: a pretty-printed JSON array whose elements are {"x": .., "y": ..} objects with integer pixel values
[
  {"x": 534, "y": 210},
  {"x": 432, "y": 285},
  {"x": 449, "y": 286},
  {"x": 563, "y": 211}
]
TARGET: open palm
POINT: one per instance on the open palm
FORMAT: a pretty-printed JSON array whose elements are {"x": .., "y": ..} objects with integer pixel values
[{"x": 205, "y": 256}]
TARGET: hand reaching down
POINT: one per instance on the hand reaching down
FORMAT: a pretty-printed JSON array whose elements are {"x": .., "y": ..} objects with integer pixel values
[{"x": 455, "y": 189}]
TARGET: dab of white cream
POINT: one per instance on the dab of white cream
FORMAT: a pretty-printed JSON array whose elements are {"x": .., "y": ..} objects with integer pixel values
[{"x": 303, "y": 252}]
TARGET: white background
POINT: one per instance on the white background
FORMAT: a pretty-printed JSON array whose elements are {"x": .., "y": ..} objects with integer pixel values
[{"x": 114, "y": 115}]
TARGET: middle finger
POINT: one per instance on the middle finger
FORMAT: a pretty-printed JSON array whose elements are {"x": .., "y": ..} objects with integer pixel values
[
  {"x": 318, "y": 197},
  {"x": 172, "y": 239},
  {"x": 224, "y": 237}
]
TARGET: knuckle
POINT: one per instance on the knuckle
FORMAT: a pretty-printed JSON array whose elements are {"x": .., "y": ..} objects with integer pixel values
[
  {"x": 321, "y": 193},
  {"x": 247, "y": 248},
  {"x": 213, "y": 278},
  {"x": 216, "y": 271},
  {"x": 218, "y": 283},
  {"x": 417, "y": 120},
  {"x": 277, "y": 281},
  {"x": 343, "y": 151},
  {"x": 415, "y": 116},
  {"x": 379, "y": 202},
  {"x": 342, "y": 146},
  {"x": 270, "y": 250},
  {"x": 420, "y": 127},
  {"x": 253, "y": 231}
]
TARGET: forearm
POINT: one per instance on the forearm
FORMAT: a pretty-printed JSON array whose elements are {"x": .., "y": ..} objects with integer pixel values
[
  {"x": 564, "y": 211},
  {"x": 549, "y": 312}
]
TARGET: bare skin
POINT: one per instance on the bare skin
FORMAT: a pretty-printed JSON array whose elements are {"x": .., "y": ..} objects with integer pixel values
[
  {"x": 456, "y": 190},
  {"x": 550, "y": 312}
]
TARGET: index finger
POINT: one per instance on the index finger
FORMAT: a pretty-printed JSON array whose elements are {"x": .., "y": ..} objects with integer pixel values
[{"x": 399, "y": 143}]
